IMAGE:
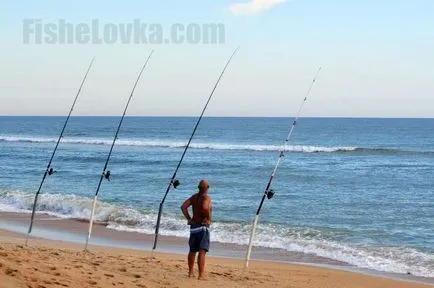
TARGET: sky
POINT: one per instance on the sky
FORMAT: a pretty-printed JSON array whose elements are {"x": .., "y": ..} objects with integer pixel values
[{"x": 377, "y": 59}]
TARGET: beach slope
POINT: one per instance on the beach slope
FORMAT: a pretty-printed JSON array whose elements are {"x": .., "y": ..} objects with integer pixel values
[{"x": 58, "y": 264}]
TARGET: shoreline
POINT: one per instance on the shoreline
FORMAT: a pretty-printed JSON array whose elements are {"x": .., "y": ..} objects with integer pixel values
[
  {"x": 75, "y": 231},
  {"x": 72, "y": 233}
]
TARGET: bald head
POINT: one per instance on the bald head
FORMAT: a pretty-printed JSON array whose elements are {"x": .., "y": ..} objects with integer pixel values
[{"x": 203, "y": 186}]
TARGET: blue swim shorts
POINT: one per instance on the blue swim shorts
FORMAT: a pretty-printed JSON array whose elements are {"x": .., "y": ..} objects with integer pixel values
[{"x": 199, "y": 238}]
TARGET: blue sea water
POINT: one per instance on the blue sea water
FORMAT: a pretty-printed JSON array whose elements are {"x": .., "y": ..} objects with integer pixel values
[{"x": 354, "y": 190}]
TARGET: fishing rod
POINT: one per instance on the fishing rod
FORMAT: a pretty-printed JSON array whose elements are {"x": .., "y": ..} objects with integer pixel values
[
  {"x": 173, "y": 181},
  {"x": 269, "y": 192},
  {"x": 49, "y": 170},
  {"x": 106, "y": 173}
]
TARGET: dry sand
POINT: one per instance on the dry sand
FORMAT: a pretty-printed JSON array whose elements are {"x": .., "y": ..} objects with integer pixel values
[{"x": 58, "y": 264}]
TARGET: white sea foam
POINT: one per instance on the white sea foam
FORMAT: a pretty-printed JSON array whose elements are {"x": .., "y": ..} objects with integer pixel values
[
  {"x": 167, "y": 144},
  {"x": 302, "y": 239}
]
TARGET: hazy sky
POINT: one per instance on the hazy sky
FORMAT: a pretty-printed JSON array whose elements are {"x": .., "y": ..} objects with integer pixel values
[{"x": 377, "y": 58}]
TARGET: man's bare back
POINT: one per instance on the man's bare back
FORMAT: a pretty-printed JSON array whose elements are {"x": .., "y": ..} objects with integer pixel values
[{"x": 201, "y": 204}]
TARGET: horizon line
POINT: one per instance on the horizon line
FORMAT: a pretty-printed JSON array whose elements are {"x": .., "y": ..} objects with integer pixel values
[{"x": 216, "y": 116}]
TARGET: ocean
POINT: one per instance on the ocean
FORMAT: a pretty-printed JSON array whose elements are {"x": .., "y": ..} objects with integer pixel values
[{"x": 359, "y": 191}]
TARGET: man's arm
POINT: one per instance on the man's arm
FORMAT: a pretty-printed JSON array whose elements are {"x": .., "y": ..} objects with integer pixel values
[
  {"x": 184, "y": 209},
  {"x": 206, "y": 208}
]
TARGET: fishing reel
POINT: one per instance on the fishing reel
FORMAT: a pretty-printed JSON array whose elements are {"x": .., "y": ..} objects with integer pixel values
[
  {"x": 107, "y": 175},
  {"x": 176, "y": 183},
  {"x": 50, "y": 171},
  {"x": 270, "y": 193}
]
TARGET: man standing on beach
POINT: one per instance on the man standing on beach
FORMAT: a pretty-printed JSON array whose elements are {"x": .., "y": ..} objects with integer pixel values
[{"x": 199, "y": 224}]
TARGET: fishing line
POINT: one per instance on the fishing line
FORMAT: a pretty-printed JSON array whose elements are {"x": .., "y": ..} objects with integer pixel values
[
  {"x": 269, "y": 192},
  {"x": 106, "y": 173},
  {"x": 173, "y": 181},
  {"x": 49, "y": 170}
]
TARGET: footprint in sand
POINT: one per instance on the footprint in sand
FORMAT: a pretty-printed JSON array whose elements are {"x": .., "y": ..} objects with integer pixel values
[{"x": 10, "y": 272}]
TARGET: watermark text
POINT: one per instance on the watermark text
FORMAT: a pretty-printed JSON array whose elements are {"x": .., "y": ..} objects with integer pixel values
[{"x": 37, "y": 31}]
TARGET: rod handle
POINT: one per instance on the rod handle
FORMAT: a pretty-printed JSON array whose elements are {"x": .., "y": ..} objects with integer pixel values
[
  {"x": 249, "y": 249},
  {"x": 92, "y": 213},
  {"x": 157, "y": 227}
]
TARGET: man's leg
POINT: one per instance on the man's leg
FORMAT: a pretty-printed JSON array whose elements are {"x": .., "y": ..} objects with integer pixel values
[
  {"x": 191, "y": 258},
  {"x": 201, "y": 264}
]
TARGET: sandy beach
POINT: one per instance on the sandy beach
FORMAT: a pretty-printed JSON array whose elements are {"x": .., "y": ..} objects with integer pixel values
[{"x": 45, "y": 263}]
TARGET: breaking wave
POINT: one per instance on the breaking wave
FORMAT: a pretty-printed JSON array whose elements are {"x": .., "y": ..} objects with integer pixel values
[
  {"x": 298, "y": 239},
  {"x": 167, "y": 144},
  {"x": 214, "y": 146}
]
